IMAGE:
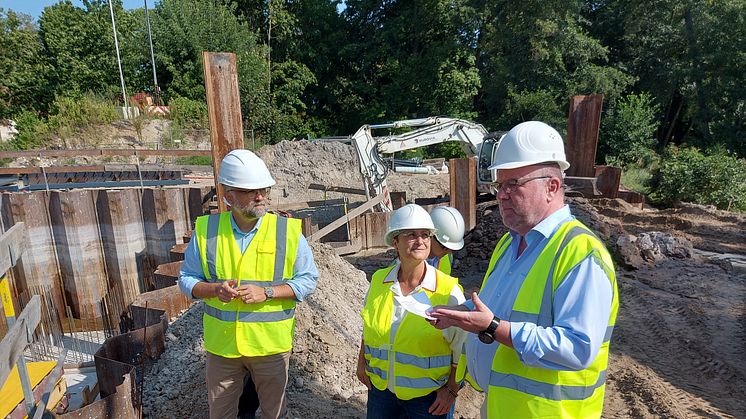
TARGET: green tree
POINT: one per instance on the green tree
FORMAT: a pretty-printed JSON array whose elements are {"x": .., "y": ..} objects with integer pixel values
[
  {"x": 533, "y": 51},
  {"x": 411, "y": 59},
  {"x": 628, "y": 131},
  {"x": 688, "y": 175},
  {"x": 80, "y": 47},
  {"x": 23, "y": 68},
  {"x": 689, "y": 56},
  {"x": 183, "y": 29}
]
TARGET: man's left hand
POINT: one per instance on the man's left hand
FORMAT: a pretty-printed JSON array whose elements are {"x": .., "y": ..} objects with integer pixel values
[
  {"x": 443, "y": 401},
  {"x": 251, "y": 294}
]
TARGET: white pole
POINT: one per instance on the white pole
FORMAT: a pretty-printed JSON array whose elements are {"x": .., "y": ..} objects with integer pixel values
[
  {"x": 119, "y": 62},
  {"x": 152, "y": 56}
]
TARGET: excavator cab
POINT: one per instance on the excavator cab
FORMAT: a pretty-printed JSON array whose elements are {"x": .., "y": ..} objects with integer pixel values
[{"x": 486, "y": 176}]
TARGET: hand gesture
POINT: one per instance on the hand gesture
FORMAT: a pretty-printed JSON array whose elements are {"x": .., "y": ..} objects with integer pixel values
[
  {"x": 226, "y": 292},
  {"x": 472, "y": 321},
  {"x": 251, "y": 294}
]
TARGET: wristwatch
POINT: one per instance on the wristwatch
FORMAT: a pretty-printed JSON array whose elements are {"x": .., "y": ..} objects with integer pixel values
[
  {"x": 269, "y": 292},
  {"x": 488, "y": 335}
]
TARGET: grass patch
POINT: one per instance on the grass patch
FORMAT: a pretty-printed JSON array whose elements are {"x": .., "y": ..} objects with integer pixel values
[
  {"x": 194, "y": 161},
  {"x": 637, "y": 179}
]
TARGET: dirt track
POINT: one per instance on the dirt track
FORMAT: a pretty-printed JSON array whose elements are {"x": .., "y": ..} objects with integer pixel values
[{"x": 679, "y": 348}]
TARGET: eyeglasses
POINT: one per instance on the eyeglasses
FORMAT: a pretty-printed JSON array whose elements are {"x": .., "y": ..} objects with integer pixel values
[
  {"x": 512, "y": 185},
  {"x": 252, "y": 193},
  {"x": 411, "y": 236}
]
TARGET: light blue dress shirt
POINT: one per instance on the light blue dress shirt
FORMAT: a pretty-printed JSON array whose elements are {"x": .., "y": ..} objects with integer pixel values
[
  {"x": 305, "y": 273},
  {"x": 582, "y": 305}
]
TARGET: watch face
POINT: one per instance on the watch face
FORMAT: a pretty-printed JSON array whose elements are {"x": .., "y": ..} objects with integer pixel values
[{"x": 485, "y": 337}]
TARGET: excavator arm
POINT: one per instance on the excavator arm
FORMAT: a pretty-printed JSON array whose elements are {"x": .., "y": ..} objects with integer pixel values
[{"x": 425, "y": 131}]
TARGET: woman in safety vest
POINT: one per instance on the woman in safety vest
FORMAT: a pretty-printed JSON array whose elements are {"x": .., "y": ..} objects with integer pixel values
[{"x": 408, "y": 366}]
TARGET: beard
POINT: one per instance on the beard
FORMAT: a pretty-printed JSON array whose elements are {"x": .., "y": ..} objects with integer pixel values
[{"x": 253, "y": 212}]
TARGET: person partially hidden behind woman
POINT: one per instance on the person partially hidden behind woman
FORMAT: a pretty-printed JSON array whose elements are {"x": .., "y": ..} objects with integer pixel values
[{"x": 408, "y": 366}]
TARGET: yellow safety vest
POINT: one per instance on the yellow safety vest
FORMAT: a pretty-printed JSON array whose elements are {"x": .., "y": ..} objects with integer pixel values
[
  {"x": 520, "y": 391},
  {"x": 422, "y": 358},
  {"x": 237, "y": 329}
]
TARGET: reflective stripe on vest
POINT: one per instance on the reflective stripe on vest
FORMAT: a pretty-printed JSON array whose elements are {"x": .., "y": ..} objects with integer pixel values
[
  {"x": 544, "y": 390},
  {"x": 421, "y": 357},
  {"x": 518, "y": 390},
  {"x": 402, "y": 358},
  {"x": 235, "y": 328},
  {"x": 249, "y": 316}
]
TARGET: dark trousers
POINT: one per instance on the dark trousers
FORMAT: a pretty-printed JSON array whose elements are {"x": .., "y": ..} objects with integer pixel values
[
  {"x": 249, "y": 401},
  {"x": 385, "y": 405}
]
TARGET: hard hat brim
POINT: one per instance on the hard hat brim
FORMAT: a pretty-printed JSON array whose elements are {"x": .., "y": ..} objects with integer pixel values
[{"x": 563, "y": 165}]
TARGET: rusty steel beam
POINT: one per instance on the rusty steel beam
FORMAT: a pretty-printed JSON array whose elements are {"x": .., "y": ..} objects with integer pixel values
[
  {"x": 121, "y": 225},
  {"x": 583, "y": 124},
  {"x": 165, "y": 221},
  {"x": 223, "y": 108},
  {"x": 79, "y": 251},
  {"x": 463, "y": 177},
  {"x": 37, "y": 268},
  {"x": 104, "y": 152}
]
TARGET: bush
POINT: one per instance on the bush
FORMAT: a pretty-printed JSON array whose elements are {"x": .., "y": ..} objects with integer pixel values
[
  {"x": 76, "y": 111},
  {"x": 628, "y": 131},
  {"x": 715, "y": 178},
  {"x": 32, "y": 131},
  {"x": 187, "y": 113}
]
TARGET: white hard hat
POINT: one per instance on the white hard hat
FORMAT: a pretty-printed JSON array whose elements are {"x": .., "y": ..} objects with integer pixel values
[
  {"x": 449, "y": 227},
  {"x": 408, "y": 217},
  {"x": 528, "y": 143},
  {"x": 244, "y": 169}
]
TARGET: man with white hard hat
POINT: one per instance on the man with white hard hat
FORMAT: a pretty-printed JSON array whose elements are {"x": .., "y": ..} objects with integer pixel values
[
  {"x": 542, "y": 321},
  {"x": 249, "y": 267},
  {"x": 449, "y": 237}
]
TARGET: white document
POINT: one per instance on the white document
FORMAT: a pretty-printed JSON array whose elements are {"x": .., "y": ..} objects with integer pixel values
[{"x": 417, "y": 304}]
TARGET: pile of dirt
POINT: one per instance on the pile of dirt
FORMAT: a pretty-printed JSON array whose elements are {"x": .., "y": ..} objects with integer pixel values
[
  {"x": 322, "y": 368},
  {"x": 296, "y": 165}
]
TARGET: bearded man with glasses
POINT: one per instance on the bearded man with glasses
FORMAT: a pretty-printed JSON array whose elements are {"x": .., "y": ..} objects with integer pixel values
[
  {"x": 249, "y": 267},
  {"x": 543, "y": 318}
]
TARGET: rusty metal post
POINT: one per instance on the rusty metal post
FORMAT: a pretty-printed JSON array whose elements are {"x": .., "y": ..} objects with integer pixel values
[
  {"x": 583, "y": 123},
  {"x": 223, "y": 109},
  {"x": 79, "y": 248},
  {"x": 463, "y": 173}
]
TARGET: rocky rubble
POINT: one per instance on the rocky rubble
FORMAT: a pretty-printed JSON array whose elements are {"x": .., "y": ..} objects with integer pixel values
[{"x": 322, "y": 367}]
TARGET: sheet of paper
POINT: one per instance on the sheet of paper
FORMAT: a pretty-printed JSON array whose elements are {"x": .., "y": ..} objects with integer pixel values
[{"x": 417, "y": 304}]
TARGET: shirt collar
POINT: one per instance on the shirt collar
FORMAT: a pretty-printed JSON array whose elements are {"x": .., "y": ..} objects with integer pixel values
[
  {"x": 237, "y": 230},
  {"x": 429, "y": 283}
]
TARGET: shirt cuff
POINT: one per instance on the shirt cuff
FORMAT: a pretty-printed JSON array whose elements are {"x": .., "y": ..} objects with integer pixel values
[{"x": 523, "y": 342}]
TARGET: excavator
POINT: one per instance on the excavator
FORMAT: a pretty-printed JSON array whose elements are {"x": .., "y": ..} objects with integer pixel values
[{"x": 473, "y": 138}]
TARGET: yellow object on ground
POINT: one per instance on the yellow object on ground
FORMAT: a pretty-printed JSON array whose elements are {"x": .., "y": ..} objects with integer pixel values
[{"x": 11, "y": 393}]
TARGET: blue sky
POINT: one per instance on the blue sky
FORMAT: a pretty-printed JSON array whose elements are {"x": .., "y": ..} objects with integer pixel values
[{"x": 34, "y": 7}]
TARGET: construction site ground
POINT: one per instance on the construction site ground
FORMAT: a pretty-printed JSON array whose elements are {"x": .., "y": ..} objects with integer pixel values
[{"x": 678, "y": 349}]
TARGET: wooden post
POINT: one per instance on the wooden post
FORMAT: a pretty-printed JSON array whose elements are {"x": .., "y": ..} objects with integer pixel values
[
  {"x": 583, "y": 123},
  {"x": 463, "y": 174},
  {"x": 223, "y": 109}
]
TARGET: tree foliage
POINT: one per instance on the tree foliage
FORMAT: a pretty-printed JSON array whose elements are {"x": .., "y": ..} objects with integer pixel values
[{"x": 325, "y": 67}]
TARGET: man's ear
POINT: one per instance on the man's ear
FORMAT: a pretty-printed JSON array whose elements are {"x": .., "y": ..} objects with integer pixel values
[{"x": 554, "y": 185}]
